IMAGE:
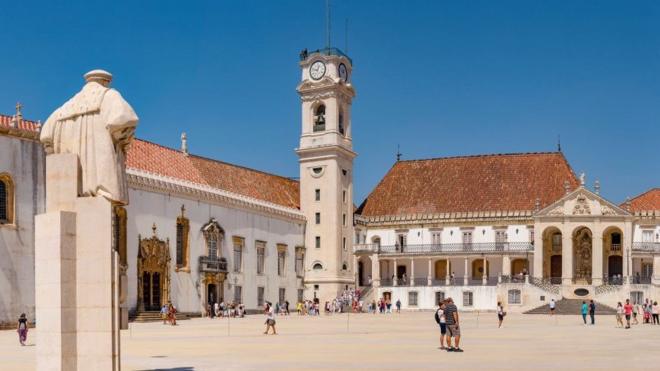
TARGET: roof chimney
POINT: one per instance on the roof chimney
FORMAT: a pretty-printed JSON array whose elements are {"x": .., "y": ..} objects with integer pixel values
[
  {"x": 184, "y": 143},
  {"x": 627, "y": 204}
]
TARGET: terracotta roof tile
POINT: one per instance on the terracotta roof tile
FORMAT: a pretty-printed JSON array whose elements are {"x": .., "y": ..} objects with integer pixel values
[
  {"x": 647, "y": 201},
  {"x": 23, "y": 125},
  {"x": 471, "y": 183},
  {"x": 157, "y": 159}
]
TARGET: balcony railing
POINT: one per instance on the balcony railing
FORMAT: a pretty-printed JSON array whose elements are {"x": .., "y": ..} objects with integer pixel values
[
  {"x": 446, "y": 248},
  {"x": 208, "y": 264},
  {"x": 651, "y": 247}
]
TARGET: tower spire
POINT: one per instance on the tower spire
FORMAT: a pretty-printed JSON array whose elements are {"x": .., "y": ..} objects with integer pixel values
[
  {"x": 558, "y": 143},
  {"x": 398, "y": 153}
]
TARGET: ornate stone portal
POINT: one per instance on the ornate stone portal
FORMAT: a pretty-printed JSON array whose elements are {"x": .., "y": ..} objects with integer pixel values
[
  {"x": 153, "y": 267},
  {"x": 582, "y": 245}
]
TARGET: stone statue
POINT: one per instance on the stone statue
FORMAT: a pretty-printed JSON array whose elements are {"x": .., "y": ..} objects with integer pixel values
[{"x": 97, "y": 125}]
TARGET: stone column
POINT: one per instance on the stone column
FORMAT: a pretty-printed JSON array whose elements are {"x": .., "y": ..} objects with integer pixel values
[
  {"x": 465, "y": 276},
  {"x": 506, "y": 265},
  {"x": 448, "y": 273},
  {"x": 412, "y": 272},
  {"x": 484, "y": 278},
  {"x": 538, "y": 253},
  {"x": 375, "y": 271},
  {"x": 597, "y": 256},
  {"x": 627, "y": 251},
  {"x": 429, "y": 277},
  {"x": 655, "y": 279},
  {"x": 566, "y": 257},
  {"x": 394, "y": 281},
  {"x": 357, "y": 271}
]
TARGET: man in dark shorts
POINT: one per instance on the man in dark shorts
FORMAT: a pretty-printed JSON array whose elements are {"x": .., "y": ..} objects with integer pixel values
[
  {"x": 627, "y": 310},
  {"x": 451, "y": 316}
]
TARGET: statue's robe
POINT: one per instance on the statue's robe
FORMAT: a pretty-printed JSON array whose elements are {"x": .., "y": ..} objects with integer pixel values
[{"x": 97, "y": 124}]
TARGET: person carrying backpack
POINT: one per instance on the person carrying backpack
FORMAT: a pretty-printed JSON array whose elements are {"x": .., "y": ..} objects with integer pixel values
[{"x": 442, "y": 322}]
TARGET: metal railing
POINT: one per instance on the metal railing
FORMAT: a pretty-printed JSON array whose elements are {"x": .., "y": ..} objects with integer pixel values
[
  {"x": 210, "y": 264},
  {"x": 325, "y": 51},
  {"x": 652, "y": 247},
  {"x": 446, "y": 248}
]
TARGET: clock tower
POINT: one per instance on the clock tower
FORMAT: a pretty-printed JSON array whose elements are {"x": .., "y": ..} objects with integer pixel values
[{"x": 326, "y": 172}]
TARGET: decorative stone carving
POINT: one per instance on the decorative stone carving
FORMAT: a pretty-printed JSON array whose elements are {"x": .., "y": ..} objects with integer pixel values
[
  {"x": 153, "y": 261},
  {"x": 559, "y": 210},
  {"x": 96, "y": 125},
  {"x": 581, "y": 206},
  {"x": 606, "y": 210},
  {"x": 582, "y": 244}
]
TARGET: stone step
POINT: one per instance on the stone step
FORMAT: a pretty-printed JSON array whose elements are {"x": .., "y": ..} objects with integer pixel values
[
  {"x": 153, "y": 316},
  {"x": 571, "y": 307}
]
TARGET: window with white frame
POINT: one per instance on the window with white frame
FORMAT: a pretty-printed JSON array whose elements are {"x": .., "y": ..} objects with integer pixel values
[
  {"x": 238, "y": 253},
  {"x": 261, "y": 256},
  {"x": 300, "y": 261},
  {"x": 281, "y": 259},
  {"x": 467, "y": 299},
  {"x": 647, "y": 235},
  {"x": 467, "y": 238},
  {"x": 514, "y": 297},
  {"x": 412, "y": 298},
  {"x": 436, "y": 237},
  {"x": 500, "y": 237},
  {"x": 260, "y": 296}
]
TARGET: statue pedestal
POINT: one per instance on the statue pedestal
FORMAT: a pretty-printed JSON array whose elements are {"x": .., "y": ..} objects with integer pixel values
[{"x": 75, "y": 276}]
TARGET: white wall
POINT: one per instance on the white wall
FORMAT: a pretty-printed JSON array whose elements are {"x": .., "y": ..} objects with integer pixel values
[
  {"x": 147, "y": 208},
  {"x": 24, "y": 161}
]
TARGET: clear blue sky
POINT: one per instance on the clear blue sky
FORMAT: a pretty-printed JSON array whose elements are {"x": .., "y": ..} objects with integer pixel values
[{"x": 440, "y": 78}]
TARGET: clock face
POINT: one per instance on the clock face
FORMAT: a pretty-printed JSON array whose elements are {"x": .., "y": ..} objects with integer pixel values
[
  {"x": 317, "y": 70},
  {"x": 343, "y": 72}
]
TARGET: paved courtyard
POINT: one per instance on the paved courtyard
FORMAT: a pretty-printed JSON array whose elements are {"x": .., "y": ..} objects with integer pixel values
[{"x": 383, "y": 342}]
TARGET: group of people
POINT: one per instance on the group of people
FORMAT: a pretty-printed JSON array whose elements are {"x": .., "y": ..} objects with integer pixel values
[
  {"x": 308, "y": 307},
  {"x": 223, "y": 309},
  {"x": 384, "y": 305},
  {"x": 649, "y": 311},
  {"x": 168, "y": 314},
  {"x": 446, "y": 316}
]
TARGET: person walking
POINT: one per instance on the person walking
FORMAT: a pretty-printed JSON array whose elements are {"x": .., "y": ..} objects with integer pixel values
[
  {"x": 635, "y": 311},
  {"x": 270, "y": 318},
  {"x": 442, "y": 322},
  {"x": 163, "y": 313},
  {"x": 619, "y": 315},
  {"x": 627, "y": 310},
  {"x": 22, "y": 329},
  {"x": 451, "y": 317},
  {"x": 585, "y": 310},
  {"x": 500, "y": 314},
  {"x": 655, "y": 311},
  {"x": 398, "y": 306},
  {"x": 592, "y": 312},
  {"x": 552, "y": 307}
]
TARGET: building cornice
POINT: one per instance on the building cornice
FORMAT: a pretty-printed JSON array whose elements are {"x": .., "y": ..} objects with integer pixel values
[
  {"x": 476, "y": 217},
  {"x": 19, "y": 133},
  {"x": 151, "y": 182}
]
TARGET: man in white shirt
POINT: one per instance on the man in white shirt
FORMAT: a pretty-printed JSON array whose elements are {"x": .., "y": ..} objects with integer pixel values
[{"x": 552, "y": 307}]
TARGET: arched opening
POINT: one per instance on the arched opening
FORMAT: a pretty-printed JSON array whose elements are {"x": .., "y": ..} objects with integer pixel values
[
  {"x": 375, "y": 240},
  {"x": 317, "y": 266},
  {"x": 552, "y": 254},
  {"x": 478, "y": 269},
  {"x": 319, "y": 118},
  {"x": 6, "y": 199},
  {"x": 441, "y": 269},
  {"x": 342, "y": 129},
  {"x": 613, "y": 255},
  {"x": 364, "y": 271},
  {"x": 582, "y": 253}
]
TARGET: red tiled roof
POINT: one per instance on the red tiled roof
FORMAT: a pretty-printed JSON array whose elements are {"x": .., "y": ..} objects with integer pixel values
[
  {"x": 647, "y": 201},
  {"x": 502, "y": 182},
  {"x": 23, "y": 125},
  {"x": 164, "y": 161}
]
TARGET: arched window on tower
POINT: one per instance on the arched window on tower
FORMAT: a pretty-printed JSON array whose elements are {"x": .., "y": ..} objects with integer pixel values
[
  {"x": 6, "y": 199},
  {"x": 319, "y": 118},
  {"x": 342, "y": 131}
]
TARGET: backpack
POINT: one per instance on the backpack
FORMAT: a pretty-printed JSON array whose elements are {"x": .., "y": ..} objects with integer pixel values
[{"x": 437, "y": 317}]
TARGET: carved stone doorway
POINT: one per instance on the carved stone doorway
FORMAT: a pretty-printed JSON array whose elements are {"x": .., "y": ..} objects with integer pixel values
[
  {"x": 582, "y": 251},
  {"x": 153, "y": 272}
]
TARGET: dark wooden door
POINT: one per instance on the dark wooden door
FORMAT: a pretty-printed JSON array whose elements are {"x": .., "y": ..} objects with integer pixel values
[
  {"x": 614, "y": 265},
  {"x": 555, "y": 269}
]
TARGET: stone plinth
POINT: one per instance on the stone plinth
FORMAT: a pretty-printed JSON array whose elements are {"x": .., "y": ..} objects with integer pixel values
[{"x": 75, "y": 277}]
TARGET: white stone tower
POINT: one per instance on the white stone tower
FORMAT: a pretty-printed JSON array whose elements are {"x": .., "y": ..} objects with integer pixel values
[{"x": 326, "y": 171}]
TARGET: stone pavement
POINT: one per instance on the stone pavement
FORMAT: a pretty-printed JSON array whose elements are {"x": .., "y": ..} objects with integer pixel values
[{"x": 375, "y": 342}]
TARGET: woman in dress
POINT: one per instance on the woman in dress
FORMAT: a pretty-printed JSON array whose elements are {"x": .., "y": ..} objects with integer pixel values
[
  {"x": 500, "y": 314},
  {"x": 619, "y": 315},
  {"x": 269, "y": 311},
  {"x": 22, "y": 329}
]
